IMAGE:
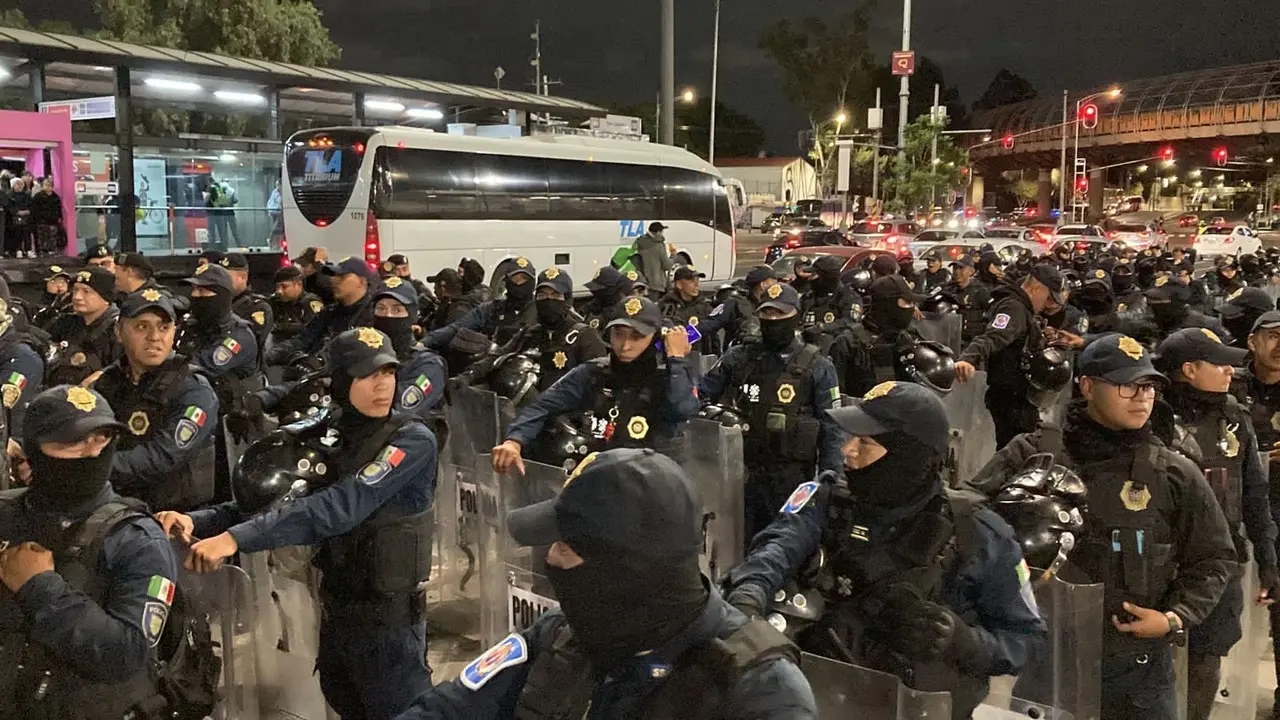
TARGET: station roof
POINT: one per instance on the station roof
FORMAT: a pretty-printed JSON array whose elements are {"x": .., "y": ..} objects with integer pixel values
[{"x": 92, "y": 52}]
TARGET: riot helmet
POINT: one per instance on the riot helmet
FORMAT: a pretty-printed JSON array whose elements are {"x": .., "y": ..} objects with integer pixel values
[
  {"x": 278, "y": 469},
  {"x": 928, "y": 363},
  {"x": 1044, "y": 504},
  {"x": 1050, "y": 369},
  {"x": 516, "y": 378}
]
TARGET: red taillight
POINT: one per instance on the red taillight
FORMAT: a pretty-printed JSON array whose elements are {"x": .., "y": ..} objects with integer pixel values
[
  {"x": 793, "y": 242},
  {"x": 322, "y": 223},
  {"x": 284, "y": 251},
  {"x": 956, "y": 252},
  {"x": 359, "y": 148},
  {"x": 372, "y": 242},
  {"x": 1111, "y": 234}
]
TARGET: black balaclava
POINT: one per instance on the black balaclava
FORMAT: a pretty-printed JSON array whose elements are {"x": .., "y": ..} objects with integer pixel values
[
  {"x": 638, "y": 371},
  {"x": 472, "y": 273},
  {"x": 1191, "y": 403},
  {"x": 826, "y": 280},
  {"x": 399, "y": 329},
  {"x": 553, "y": 313},
  {"x": 778, "y": 334},
  {"x": 803, "y": 284},
  {"x": 1240, "y": 327},
  {"x": 1094, "y": 299},
  {"x": 65, "y": 483},
  {"x": 663, "y": 596},
  {"x": 212, "y": 312},
  {"x": 607, "y": 297},
  {"x": 909, "y": 474},
  {"x": 888, "y": 317},
  {"x": 519, "y": 294},
  {"x": 1122, "y": 282},
  {"x": 1088, "y": 442}
]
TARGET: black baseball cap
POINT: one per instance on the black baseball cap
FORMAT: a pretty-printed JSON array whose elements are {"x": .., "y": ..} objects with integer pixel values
[
  {"x": 609, "y": 278},
  {"x": 1192, "y": 344},
  {"x": 360, "y": 352},
  {"x": 903, "y": 407},
  {"x": 521, "y": 265},
  {"x": 759, "y": 274},
  {"x": 351, "y": 266},
  {"x": 398, "y": 289},
  {"x": 136, "y": 303},
  {"x": 884, "y": 265},
  {"x": 398, "y": 259},
  {"x": 965, "y": 261},
  {"x": 59, "y": 271},
  {"x": 447, "y": 276},
  {"x": 635, "y": 499},
  {"x": 100, "y": 250},
  {"x": 136, "y": 260},
  {"x": 211, "y": 256},
  {"x": 234, "y": 261},
  {"x": 637, "y": 313},
  {"x": 1118, "y": 359},
  {"x": 1097, "y": 276},
  {"x": 1267, "y": 321},
  {"x": 1247, "y": 300},
  {"x": 211, "y": 276},
  {"x": 891, "y": 287},
  {"x": 556, "y": 279},
  {"x": 656, "y": 227},
  {"x": 780, "y": 297},
  {"x": 1049, "y": 276},
  {"x": 288, "y": 272},
  {"x": 67, "y": 413},
  {"x": 687, "y": 273},
  {"x": 99, "y": 279},
  {"x": 308, "y": 256}
]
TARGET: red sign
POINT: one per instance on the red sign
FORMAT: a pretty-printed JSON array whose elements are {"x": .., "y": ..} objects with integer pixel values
[{"x": 904, "y": 62}]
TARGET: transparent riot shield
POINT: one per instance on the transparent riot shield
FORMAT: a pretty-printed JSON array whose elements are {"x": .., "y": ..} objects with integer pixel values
[
  {"x": 226, "y": 600},
  {"x": 849, "y": 691},
  {"x": 285, "y": 592},
  {"x": 943, "y": 328},
  {"x": 713, "y": 459},
  {"x": 515, "y": 588},
  {"x": 472, "y": 414},
  {"x": 1237, "y": 697},
  {"x": 973, "y": 435}
]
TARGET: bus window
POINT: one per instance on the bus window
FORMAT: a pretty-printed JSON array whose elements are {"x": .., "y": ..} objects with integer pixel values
[
  {"x": 638, "y": 189},
  {"x": 512, "y": 187},
  {"x": 323, "y": 168},
  {"x": 430, "y": 185}
]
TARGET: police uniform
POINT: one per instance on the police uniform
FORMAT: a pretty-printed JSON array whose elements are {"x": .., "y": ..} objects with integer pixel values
[
  {"x": 421, "y": 377},
  {"x": 608, "y": 287},
  {"x": 828, "y": 307},
  {"x": 53, "y": 306},
  {"x": 736, "y": 315},
  {"x": 900, "y": 551},
  {"x": 82, "y": 349},
  {"x": 612, "y": 660},
  {"x": 974, "y": 299},
  {"x": 637, "y": 404},
  {"x": 562, "y": 339},
  {"x": 933, "y": 280},
  {"x": 332, "y": 319},
  {"x": 165, "y": 456},
  {"x": 291, "y": 317},
  {"x": 1175, "y": 550},
  {"x": 372, "y": 528},
  {"x": 21, "y": 369},
  {"x": 80, "y": 640},
  {"x": 689, "y": 313},
  {"x": 451, "y": 303},
  {"x": 226, "y": 346},
  {"x": 249, "y": 305},
  {"x": 425, "y": 298},
  {"x": 784, "y": 393},
  {"x": 1170, "y": 310},
  {"x": 1219, "y": 437},
  {"x": 498, "y": 320}
]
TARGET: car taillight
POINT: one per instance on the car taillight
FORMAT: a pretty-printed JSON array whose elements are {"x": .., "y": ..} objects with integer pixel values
[
  {"x": 955, "y": 252},
  {"x": 1111, "y": 234},
  {"x": 793, "y": 242},
  {"x": 284, "y": 251},
  {"x": 372, "y": 242}
]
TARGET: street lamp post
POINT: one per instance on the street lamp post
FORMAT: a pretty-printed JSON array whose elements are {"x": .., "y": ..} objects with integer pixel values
[
  {"x": 715, "y": 67},
  {"x": 687, "y": 97}
]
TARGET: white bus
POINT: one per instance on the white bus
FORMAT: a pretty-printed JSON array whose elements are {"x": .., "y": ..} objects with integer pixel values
[{"x": 559, "y": 200}]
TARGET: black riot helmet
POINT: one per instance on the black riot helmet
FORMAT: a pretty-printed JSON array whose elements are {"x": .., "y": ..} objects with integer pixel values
[
  {"x": 939, "y": 303},
  {"x": 1249, "y": 264},
  {"x": 1044, "y": 504},
  {"x": 308, "y": 396},
  {"x": 516, "y": 378},
  {"x": 565, "y": 444},
  {"x": 1050, "y": 369},
  {"x": 278, "y": 469},
  {"x": 928, "y": 363},
  {"x": 860, "y": 280}
]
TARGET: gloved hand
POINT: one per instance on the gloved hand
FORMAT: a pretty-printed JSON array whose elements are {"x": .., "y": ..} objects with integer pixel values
[
  {"x": 746, "y": 603},
  {"x": 912, "y": 626},
  {"x": 1268, "y": 585}
]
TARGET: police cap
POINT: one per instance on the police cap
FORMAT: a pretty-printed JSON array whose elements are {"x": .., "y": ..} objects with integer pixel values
[
  {"x": 1118, "y": 359},
  {"x": 360, "y": 352},
  {"x": 515, "y": 266},
  {"x": 1268, "y": 321},
  {"x": 1048, "y": 275},
  {"x": 894, "y": 286},
  {"x": 902, "y": 407},
  {"x": 137, "y": 261},
  {"x": 58, "y": 271},
  {"x": 351, "y": 266},
  {"x": 400, "y": 290},
  {"x": 964, "y": 261},
  {"x": 884, "y": 265},
  {"x": 100, "y": 250},
  {"x": 639, "y": 314},
  {"x": 685, "y": 272},
  {"x": 211, "y": 276},
  {"x": 781, "y": 297},
  {"x": 1194, "y": 344},
  {"x": 759, "y": 274},
  {"x": 1250, "y": 300},
  {"x": 234, "y": 261},
  {"x": 136, "y": 303},
  {"x": 287, "y": 273},
  {"x": 556, "y": 279},
  {"x": 398, "y": 259},
  {"x": 448, "y": 277},
  {"x": 638, "y": 500},
  {"x": 99, "y": 279},
  {"x": 67, "y": 413}
]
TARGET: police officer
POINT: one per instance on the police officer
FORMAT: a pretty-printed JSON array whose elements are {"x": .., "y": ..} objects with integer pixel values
[
  {"x": 1242, "y": 310},
  {"x": 1170, "y": 310},
  {"x": 830, "y": 306},
  {"x": 638, "y": 396},
  {"x": 135, "y": 272},
  {"x": 291, "y": 307},
  {"x": 990, "y": 270},
  {"x": 398, "y": 266},
  {"x": 637, "y": 632},
  {"x": 217, "y": 339},
  {"x": 974, "y": 297},
  {"x": 421, "y": 377},
  {"x": 88, "y": 575},
  {"x": 311, "y": 262},
  {"x": 1216, "y": 432},
  {"x": 56, "y": 300},
  {"x": 865, "y": 355},
  {"x": 167, "y": 407},
  {"x": 783, "y": 387},
  {"x": 608, "y": 288},
  {"x": 561, "y": 337},
  {"x": 451, "y": 303},
  {"x": 498, "y": 320},
  {"x": 21, "y": 368},
  {"x": 1097, "y": 301},
  {"x": 349, "y": 282},
  {"x": 1225, "y": 279},
  {"x": 372, "y": 527},
  {"x": 934, "y": 276},
  {"x": 100, "y": 255},
  {"x": 1175, "y": 550},
  {"x": 85, "y": 339},
  {"x": 917, "y": 583},
  {"x": 245, "y": 303},
  {"x": 684, "y": 303},
  {"x": 1010, "y": 338},
  {"x": 473, "y": 285},
  {"x": 737, "y": 314}
]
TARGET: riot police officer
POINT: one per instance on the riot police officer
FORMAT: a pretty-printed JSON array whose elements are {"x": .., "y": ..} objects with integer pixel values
[
  {"x": 990, "y": 270},
  {"x": 1169, "y": 306},
  {"x": 608, "y": 288},
  {"x": 498, "y": 320},
  {"x": 684, "y": 303},
  {"x": 217, "y": 339},
  {"x": 829, "y": 307},
  {"x": 85, "y": 339},
  {"x": 311, "y": 262},
  {"x": 56, "y": 300},
  {"x": 451, "y": 303},
  {"x": 372, "y": 526},
  {"x": 1012, "y": 336},
  {"x": 638, "y": 396},
  {"x": 624, "y": 535},
  {"x": 168, "y": 408},
  {"x": 100, "y": 255},
  {"x": 421, "y": 377},
  {"x": 397, "y": 265},
  {"x": 1225, "y": 278},
  {"x": 974, "y": 297},
  {"x": 1242, "y": 310},
  {"x": 1213, "y": 430},
  {"x": 917, "y": 583},
  {"x": 291, "y": 307},
  {"x": 21, "y": 368},
  {"x": 867, "y": 354},
  {"x": 783, "y": 387},
  {"x": 1154, "y": 535},
  {"x": 245, "y": 303},
  {"x": 349, "y": 282},
  {"x": 133, "y": 273},
  {"x": 934, "y": 276},
  {"x": 561, "y": 339},
  {"x": 736, "y": 316},
  {"x": 89, "y": 577}
]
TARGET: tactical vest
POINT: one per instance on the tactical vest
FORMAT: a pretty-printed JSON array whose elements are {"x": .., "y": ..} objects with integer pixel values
[
  {"x": 559, "y": 354},
  {"x": 1129, "y": 545},
  {"x": 505, "y": 321},
  {"x": 288, "y": 316},
  {"x": 372, "y": 574},
  {"x": 78, "y": 358},
  {"x": 880, "y": 353},
  {"x": 624, "y": 414},
  {"x": 778, "y": 407},
  {"x": 826, "y": 309},
  {"x": 244, "y": 306},
  {"x": 234, "y": 387},
  {"x": 36, "y": 684},
  {"x": 1263, "y": 404},
  {"x": 1214, "y": 442},
  {"x": 561, "y": 680},
  {"x": 187, "y": 487}
]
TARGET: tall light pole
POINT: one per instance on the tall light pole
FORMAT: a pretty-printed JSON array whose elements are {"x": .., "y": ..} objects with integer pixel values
[
  {"x": 668, "y": 71},
  {"x": 715, "y": 67},
  {"x": 1113, "y": 94},
  {"x": 1062, "y": 167},
  {"x": 904, "y": 87}
]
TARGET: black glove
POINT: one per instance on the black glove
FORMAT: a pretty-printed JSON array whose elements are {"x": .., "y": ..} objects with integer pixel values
[
  {"x": 745, "y": 603},
  {"x": 1269, "y": 580},
  {"x": 912, "y": 626}
]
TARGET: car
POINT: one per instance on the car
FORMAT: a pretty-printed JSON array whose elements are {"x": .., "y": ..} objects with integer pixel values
[
  {"x": 797, "y": 225},
  {"x": 1137, "y": 236},
  {"x": 773, "y": 221},
  {"x": 1188, "y": 220},
  {"x": 884, "y": 234},
  {"x": 821, "y": 237},
  {"x": 936, "y": 235},
  {"x": 1226, "y": 240},
  {"x": 1023, "y": 235},
  {"x": 854, "y": 257},
  {"x": 1067, "y": 232},
  {"x": 951, "y": 251},
  {"x": 1078, "y": 245}
]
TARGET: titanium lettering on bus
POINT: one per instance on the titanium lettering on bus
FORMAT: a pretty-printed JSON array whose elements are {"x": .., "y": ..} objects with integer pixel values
[
  {"x": 631, "y": 228},
  {"x": 321, "y": 169}
]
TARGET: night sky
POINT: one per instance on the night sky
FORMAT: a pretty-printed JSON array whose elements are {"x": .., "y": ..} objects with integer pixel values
[{"x": 607, "y": 51}]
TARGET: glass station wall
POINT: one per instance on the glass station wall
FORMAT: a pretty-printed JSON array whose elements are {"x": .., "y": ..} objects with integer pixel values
[{"x": 188, "y": 201}]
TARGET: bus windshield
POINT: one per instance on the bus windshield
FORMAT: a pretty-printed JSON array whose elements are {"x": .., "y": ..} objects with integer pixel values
[{"x": 323, "y": 167}]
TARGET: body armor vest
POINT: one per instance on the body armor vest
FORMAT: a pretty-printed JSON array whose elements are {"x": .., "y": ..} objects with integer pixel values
[
  {"x": 624, "y": 413},
  {"x": 1214, "y": 442},
  {"x": 559, "y": 353},
  {"x": 1263, "y": 405},
  {"x": 288, "y": 316},
  {"x": 505, "y": 320},
  {"x": 778, "y": 406},
  {"x": 77, "y": 358}
]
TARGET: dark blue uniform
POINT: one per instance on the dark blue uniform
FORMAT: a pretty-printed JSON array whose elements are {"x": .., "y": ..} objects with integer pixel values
[
  {"x": 21, "y": 371},
  {"x": 234, "y": 355},
  {"x": 328, "y": 322},
  {"x": 483, "y": 320},
  {"x": 420, "y": 381}
]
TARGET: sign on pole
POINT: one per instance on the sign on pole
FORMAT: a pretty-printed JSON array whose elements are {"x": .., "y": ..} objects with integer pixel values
[
  {"x": 97, "y": 188},
  {"x": 94, "y": 108},
  {"x": 904, "y": 62},
  {"x": 842, "y": 167}
]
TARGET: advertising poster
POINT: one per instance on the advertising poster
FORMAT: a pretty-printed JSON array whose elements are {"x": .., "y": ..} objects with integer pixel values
[{"x": 153, "y": 197}]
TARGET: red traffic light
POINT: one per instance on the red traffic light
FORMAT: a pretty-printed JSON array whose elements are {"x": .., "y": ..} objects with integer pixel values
[
  {"x": 1089, "y": 116},
  {"x": 1007, "y": 141},
  {"x": 1166, "y": 153},
  {"x": 1220, "y": 156},
  {"x": 1082, "y": 184}
]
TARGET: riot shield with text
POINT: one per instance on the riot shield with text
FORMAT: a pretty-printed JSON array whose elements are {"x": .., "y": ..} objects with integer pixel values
[
  {"x": 973, "y": 434},
  {"x": 225, "y": 599},
  {"x": 1237, "y": 696},
  {"x": 943, "y": 328},
  {"x": 850, "y": 691},
  {"x": 515, "y": 590},
  {"x": 713, "y": 459}
]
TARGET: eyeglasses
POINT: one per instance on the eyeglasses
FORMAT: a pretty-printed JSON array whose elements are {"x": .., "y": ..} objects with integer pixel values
[{"x": 1129, "y": 391}]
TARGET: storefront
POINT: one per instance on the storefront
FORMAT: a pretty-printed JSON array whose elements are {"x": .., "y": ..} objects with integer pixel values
[{"x": 32, "y": 138}]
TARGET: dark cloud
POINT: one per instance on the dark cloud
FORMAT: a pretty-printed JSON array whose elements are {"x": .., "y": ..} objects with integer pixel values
[{"x": 607, "y": 50}]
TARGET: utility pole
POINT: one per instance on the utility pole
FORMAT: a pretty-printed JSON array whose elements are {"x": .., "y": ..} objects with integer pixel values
[
  {"x": 904, "y": 88},
  {"x": 715, "y": 68},
  {"x": 536, "y": 62},
  {"x": 668, "y": 92},
  {"x": 934, "y": 119},
  {"x": 1062, "y": 168},
  {"x": 875, "y": 157}
]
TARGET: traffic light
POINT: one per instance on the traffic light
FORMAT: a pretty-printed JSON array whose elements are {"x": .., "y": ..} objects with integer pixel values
[
  {"x": 1007, "y": 141},
  {"x": 1220, "y": 156},
  {"x": 1166, "y": 153},
  {"x": 1089, "y": 116},
  {"x": 1082, "y": 185}
]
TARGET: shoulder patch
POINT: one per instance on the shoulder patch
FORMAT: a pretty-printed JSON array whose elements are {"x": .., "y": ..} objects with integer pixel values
[
  {"x": 410, "y": 397},
  {"x": 719, "y": 309},
  {"x": 800, "y": 497},
  {"x": 1000, "y": 321},
  {"x": 259, "y": 317},
  {"x": 388, "y": 460},
  {"x": 154, "y": 616},
  {"x": 510, "y": 652},
  {"x": 316, "y": 306}
]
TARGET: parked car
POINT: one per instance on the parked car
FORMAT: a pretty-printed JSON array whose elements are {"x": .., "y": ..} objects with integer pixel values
[
  {"x": 884, "y": 234},
  {"x": 1024, "y": 235},
  {"x": 1068, "y": 232},
  {"x": 797, "y": 225},
  {"x": 773, "y": 221},
  {"x": 855, "y": 258},
  {"x": 936, "y": 235},
  {"x": 1226, "y": 240},
  {"x": 949, "y": 252},
  {"x": 822, "y": 237},
  {"x": 1188, "y": 220},
  {"x": 1137, "y": 236}
]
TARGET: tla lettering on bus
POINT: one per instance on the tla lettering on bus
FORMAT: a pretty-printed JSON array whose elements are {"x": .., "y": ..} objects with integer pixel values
[
  {"x": 631, "y": 228},
  {"x": 323, "y": 166}
]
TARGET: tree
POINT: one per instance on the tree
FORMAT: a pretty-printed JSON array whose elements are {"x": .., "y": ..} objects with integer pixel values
[
  {"x": 1025, "y": 191},
  {"x": 913, "y": 180},
  {"x": 1006, "y": 88},
  {"x": 737, "y": 134}
]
